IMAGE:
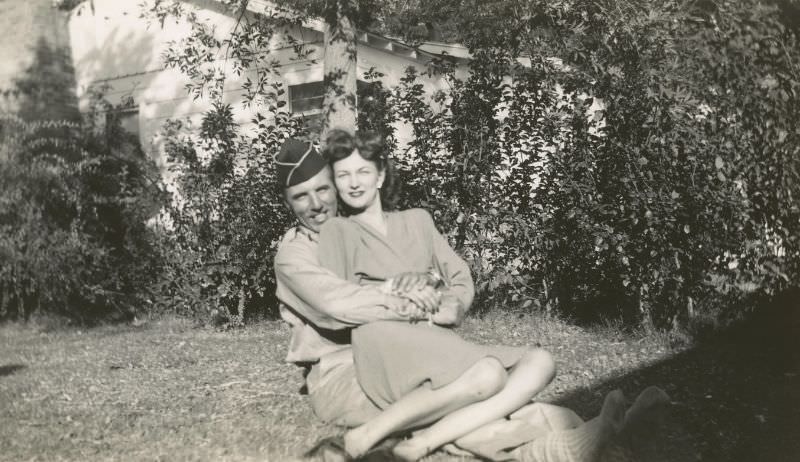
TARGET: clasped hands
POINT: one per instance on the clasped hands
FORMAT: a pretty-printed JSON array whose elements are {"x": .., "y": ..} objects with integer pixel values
[{"x": 424, "y": 299}]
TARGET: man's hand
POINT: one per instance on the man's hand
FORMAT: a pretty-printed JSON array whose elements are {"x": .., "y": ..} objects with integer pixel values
[
  {"x": 411, "y": 311},
  {"x": 406, "y": 282},
  {"x": 450, "y": 313}
]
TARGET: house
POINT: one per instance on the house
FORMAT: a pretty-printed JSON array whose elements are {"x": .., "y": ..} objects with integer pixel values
[{"x": 114, "y": 47}]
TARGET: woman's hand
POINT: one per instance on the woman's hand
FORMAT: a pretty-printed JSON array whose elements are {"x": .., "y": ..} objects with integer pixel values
[
  {"x": 412, "y": 312},
  {"x": 417, "y": 288},
  {"x": 426, "y": 298}
]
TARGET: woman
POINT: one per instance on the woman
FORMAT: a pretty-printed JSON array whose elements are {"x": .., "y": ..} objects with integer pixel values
[{"x": 412, "y": 370}]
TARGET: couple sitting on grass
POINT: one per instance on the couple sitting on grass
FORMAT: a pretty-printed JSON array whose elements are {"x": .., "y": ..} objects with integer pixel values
[{"x": 372, "y": 296}]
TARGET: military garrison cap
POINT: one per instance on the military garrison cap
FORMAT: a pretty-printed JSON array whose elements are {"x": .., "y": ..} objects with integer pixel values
[{"x": 297, "y": 162}]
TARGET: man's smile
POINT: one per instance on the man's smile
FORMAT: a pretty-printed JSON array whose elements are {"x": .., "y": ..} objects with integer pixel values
[{"x": 320, "y": 217}]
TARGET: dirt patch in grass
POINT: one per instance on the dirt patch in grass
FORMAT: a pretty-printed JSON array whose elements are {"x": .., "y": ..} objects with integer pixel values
[{"x": 168, "y": 391}]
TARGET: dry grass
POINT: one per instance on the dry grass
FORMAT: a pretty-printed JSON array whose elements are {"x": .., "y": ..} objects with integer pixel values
[
  {"x": 162, "y": 392},
  {"x": 170, "y": 391}
]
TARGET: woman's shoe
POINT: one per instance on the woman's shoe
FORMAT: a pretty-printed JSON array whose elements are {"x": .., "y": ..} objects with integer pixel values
[
  {"x": 382, "y": 452},
  {"x": 330, "y": 449}
]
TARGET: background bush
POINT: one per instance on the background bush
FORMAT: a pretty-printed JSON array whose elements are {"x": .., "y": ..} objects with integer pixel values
[
  {"x": 670, "y": 201},
  {"x": 228, "y": 216},
  {"x": 73, "y": 210},
  {"x": 622, "y": 159},
  {"x": 226, "y": 219}
]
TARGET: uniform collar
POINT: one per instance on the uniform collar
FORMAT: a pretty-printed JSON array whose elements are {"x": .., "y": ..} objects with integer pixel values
[{"x": 311, "y": 235}]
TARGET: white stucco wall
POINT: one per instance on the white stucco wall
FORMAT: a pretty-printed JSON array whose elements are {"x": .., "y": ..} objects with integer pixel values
[{"x": 112, "y": 45}]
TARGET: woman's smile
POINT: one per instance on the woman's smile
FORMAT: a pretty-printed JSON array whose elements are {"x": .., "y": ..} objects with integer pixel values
[{"x": 358, "y": 181}]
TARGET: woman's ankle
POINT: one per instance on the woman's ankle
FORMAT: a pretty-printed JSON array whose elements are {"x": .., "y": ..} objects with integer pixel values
[
  {"x": 412, "y": 449},
  {"x": 359, "y": 440}
]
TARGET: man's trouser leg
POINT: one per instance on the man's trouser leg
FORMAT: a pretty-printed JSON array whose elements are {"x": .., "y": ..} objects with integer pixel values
[
  {"x": 336, "y": 396},
  {"x": 495, "y": 440}
]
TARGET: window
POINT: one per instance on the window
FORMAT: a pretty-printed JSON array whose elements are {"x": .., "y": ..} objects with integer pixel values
[
  {"x": 127, "y": 119},
  {"x": 306, "y": 97},
  {"x": 306, "y": 102}
]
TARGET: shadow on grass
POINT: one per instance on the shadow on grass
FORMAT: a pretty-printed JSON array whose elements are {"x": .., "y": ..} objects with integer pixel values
[
  {"x": 9, "y": 369},
  {"x": 735, "y": 397}
]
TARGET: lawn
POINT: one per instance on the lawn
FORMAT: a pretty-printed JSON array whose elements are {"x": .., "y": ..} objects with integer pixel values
[{"x": 167, "y": 390}]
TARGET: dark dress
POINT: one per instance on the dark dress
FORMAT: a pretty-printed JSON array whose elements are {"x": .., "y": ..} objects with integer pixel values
[{"x": 393, "y": 358}]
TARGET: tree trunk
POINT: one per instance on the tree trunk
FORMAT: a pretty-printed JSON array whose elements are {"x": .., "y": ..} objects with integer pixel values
[{"x": 339, "y": 104}]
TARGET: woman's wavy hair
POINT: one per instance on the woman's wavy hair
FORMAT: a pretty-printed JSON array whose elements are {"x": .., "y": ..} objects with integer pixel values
[{"x": 340, "y": 144}]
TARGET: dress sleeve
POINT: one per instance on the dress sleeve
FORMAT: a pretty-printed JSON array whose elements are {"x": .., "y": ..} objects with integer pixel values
[
  {"x": 453, "y": 269},
  {"x": 321, "y": 296}
]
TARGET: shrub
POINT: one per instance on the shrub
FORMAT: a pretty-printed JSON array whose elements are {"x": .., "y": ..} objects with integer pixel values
[
  {"x": 665, "y": 212},
  {"x": 73, "y": 237},
  {"x": 643, "y": 166},
  {"x": 227, "y": 217},
  {"x": 617, "y": 159}
]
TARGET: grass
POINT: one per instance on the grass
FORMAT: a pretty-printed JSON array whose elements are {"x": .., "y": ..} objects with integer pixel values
[
  {"x": 169, "y": 391},
  {"x": 162, "y": 392}
]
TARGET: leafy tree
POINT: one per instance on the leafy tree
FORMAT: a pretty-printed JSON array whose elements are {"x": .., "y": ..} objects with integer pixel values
[
  {"x": 75, "y": 200},
  {"x": 73, "y": 211}
]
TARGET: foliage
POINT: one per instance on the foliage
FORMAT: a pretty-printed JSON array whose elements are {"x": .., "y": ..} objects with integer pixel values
[
  {"x": 75, "y": 197},
  {"x": 672, "y": 195},
  {"x": 46, "y": 89},
  {"x": 667, "y": 204},
  {"x": 228, "y": 218},
  {"x": 617, "y": 159},
  {"x": 73, "y": 211}
]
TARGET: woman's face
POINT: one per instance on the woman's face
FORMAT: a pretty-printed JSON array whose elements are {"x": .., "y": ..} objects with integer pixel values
[{"x": 357, "y": 180}]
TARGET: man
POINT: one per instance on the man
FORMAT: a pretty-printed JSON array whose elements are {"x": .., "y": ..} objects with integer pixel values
[
  {"x": 320, "y": 337},
  {"x": 321, "y": 308}
]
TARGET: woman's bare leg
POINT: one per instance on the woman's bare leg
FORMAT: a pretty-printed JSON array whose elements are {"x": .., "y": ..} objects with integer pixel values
[
  {"x": 424, "y": 405},
  {"x": 534, "y": 371}
]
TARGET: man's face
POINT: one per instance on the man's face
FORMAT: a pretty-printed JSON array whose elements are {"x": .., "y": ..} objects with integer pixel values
[{"x": 314, "y": 200}]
